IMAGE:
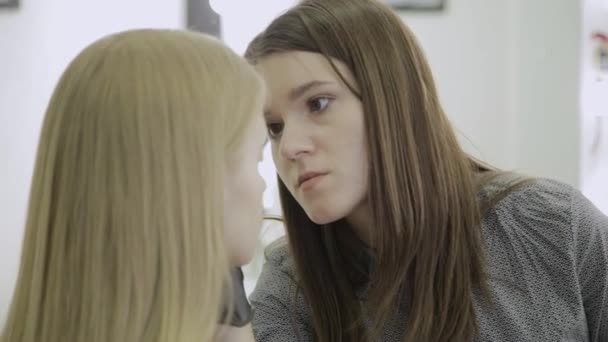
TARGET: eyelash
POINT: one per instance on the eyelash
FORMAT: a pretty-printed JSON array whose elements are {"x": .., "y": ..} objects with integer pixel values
[
  {"x": 273, "y": 126},
  {"x": 269, "y": 128},
  {"x": 310, "y": 102}
]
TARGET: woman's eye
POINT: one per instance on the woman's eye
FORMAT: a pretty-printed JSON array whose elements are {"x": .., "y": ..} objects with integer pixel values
[
  {"x": 274, "y": 129},
  {"x": 318, "y": 104}
]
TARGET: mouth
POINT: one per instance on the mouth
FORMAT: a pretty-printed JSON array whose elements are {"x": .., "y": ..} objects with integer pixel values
[{"x": 307, "y": 177}]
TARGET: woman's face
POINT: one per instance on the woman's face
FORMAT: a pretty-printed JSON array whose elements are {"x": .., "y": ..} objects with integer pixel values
[
  {"x": 243, "y": 194},
  {"x": 316, "y": 128}
]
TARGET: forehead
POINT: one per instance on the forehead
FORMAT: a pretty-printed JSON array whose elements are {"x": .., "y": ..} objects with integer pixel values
[
  {"x": 284, "y": 71},
  {"x": 294, "y": 65}
]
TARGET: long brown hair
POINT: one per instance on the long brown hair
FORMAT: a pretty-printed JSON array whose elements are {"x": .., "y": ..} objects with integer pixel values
[
  {"x": 426, "y": 238},
  {"x": 124, "y": 238}
]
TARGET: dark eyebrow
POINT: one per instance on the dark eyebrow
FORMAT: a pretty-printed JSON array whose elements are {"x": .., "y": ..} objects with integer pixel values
[{"x": 298, "y": 91}]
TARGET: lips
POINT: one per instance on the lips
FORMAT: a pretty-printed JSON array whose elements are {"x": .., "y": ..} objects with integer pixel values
[{"x": 308, "y": 176}]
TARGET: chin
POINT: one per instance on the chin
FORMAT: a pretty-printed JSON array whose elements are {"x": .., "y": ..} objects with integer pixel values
[
  {"x": 241, "y": 259},
  {"x": 244, "y": 256},
  {"x": 323, "y": 217}
]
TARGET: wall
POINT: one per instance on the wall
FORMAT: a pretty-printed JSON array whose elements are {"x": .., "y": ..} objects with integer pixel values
[
  {"x": 507, "y": 73},
  {"x": 37, "y": 41},
  {"x": 465, "y": 46},
  {"x": 545, "y": 88}
]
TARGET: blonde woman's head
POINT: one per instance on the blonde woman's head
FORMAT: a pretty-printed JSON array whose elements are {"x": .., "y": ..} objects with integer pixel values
[{"x": 124, "y": 238}]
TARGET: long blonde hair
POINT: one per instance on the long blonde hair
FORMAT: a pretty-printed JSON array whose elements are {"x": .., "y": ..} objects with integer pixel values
[{"x": 124, "y": 238}]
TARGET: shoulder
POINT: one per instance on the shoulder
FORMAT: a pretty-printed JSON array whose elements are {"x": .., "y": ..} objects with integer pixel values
[
  {"x": 278, "y": 257},
  {"x": 533, "y": 198},
  {"x": 551, "y": 203},
  {"x": 545, "y": 222},
  {"x": 532, "y": 218},
  {"x": 278, "y": 274}
]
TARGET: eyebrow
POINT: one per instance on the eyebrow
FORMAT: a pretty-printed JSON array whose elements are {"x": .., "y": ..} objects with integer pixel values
[{"x": 300, "y": 90}]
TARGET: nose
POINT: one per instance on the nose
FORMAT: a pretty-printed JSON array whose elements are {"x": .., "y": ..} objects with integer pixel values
[{"x": 295, "y": 141}]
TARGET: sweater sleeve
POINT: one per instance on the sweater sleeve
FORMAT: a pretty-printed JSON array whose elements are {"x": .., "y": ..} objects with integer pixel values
[{"x": 590, "y": 229}]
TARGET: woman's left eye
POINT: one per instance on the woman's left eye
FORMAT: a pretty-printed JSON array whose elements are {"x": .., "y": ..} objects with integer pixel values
[{"x": 318, "y": 104}]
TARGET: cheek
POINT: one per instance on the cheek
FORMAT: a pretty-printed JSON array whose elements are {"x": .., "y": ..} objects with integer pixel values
[
  {"x": 244, "y": 188},
  {"x": 243, "y": 214},
  {"x": 255, "y": 186},
  {"x": 279, "y": 163},
  {"x": 258, "y": 187}
]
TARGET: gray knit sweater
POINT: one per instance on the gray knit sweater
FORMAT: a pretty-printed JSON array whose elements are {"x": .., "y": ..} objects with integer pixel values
[{"x": 547, "y": 249}]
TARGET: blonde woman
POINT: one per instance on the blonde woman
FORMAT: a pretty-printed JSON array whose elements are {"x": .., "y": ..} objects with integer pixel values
[{"x": 151, "y": 137}]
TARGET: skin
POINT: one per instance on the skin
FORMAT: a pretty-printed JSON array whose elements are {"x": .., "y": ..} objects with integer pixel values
[
  {"x": 316, "y": 128},
  {"x": 243, "y": 209},
  {"x": 243, "y": 195}
]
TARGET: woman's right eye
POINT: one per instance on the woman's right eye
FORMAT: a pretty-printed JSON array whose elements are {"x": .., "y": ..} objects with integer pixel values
[{"x": 274, "y": 129}]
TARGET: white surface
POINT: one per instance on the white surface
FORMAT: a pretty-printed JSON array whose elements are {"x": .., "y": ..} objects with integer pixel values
[
  {"x": 467, "y": 48},
  {"x": 594, "y": 107},
  {"x": 507, "y": 73}
]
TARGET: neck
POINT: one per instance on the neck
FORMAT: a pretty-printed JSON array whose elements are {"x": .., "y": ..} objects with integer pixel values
[{"x": 360, "y": 221}]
